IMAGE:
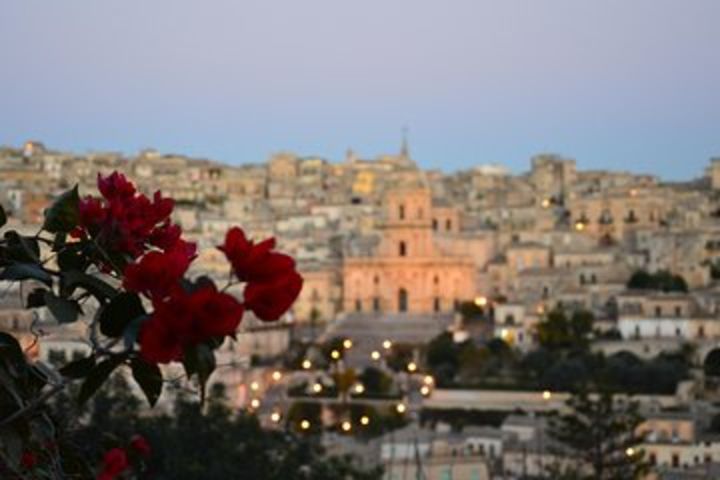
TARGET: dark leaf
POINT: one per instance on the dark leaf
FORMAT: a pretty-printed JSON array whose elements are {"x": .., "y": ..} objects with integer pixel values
[
  {"x": 3, "y": 217},
  {"x": 199, "y": 360},
  {"x": 132, "y": 331},
  {"x": 63, "y": 214},
  {"x": 22, "y": 249},
  {"x": 25, "y": 271},
  {"x": 149, "y": 377},
  {"x": 59, "y": 241},
  {"x": 78, "y": 368},
  {"x": 119, "y": 312},
  {"x": 12, "y": 355},
  {"x": 71, "y": 258},
  {"x": 64, "y": 310},
  {"x": 97, "y": 376},
  {"x": 100, "y": 289},
  {"x": 36, "y": 298}
]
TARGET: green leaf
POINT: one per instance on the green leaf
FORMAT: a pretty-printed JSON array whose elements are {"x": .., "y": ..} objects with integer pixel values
[
  {"x": 3, "y": 217},
  {"x": 149, "y": 377},
  {"x": 78, "y": 368},
  {"x": 97, "y": 287},
  {"x": 97, "y": 376},
  {"x": 64, "y": 310},
  {"x": 63, "y": 215},
  {"x": 26, "y": 271},
  {"x": 119, "y": 312}
]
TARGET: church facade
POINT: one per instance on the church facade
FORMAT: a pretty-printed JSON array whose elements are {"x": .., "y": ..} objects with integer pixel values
[{"x": 409, "y": 271}]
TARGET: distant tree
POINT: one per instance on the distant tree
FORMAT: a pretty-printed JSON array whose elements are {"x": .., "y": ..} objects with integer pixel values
[
  {"x": 470, "y": 311},
  {"x": 375, "y": 381},
  {"x": 598, "y": 435},
  {"x": 557, "y": 331},
  {"x": 662, "y": 280}
]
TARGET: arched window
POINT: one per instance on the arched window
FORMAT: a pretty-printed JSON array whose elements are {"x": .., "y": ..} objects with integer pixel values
[
  {"x": 358, "y": 305},
  {"x": 402, "y": 248},
  {"x": 401, "y": 212},
  {"x": 435, "y": 224},
  {"x": 448, "y": 224},
  {"x": 436, "y": 305},
  {"x": 376, "y": 280},
  {"x": 402, "y": 300},
  {"x": 376, "y": 304}
]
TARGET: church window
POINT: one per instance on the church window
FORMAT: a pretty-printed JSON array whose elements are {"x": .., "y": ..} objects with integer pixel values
[
  {"x": 402, "y": 249},
  {"x": 401, "y": 212},
  {"x": 402, "y": 300}
]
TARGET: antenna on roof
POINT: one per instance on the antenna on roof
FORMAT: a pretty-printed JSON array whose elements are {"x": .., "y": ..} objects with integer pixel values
[{"x": 404, "y": 150}]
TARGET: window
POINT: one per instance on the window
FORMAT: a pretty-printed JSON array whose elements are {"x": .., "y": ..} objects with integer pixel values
[
  {"x": 675, "y": 460},
  {"x": 376, "y": 304},
  {"x": 448, "y": 224},
  {"x": 435, "y": 224},
  {"x": 436, "y": 280},
  {"x": 582, "y": 279},
  {"x": 658, "y": 311},
  {"x": 678, "y": 311},
  {"x": 402, "y": 300},
  {"x": 436, "y": 305},
  {"x": 677, "y": 332},
  {"x": 376, "y": 280},
  {"x": 420, "y": 213},
  {"x": 358, "y": 305},
  {"x": 701, "y": 331},
  {"x": 401, "y": 212},
  {"x": 402, "y": 249}
]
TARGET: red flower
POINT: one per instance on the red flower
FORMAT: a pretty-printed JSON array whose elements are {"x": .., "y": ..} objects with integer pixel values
[
  {"x": 157, "y": 274},
  {"x": 254, "y": 263},
  {"x": 269, "y": 300},
  {"x": 140, "y": 445},
  {"x": 28, "y": 460},
  {"x": 127, "y": 222},
  {"x": 186, "y": 319},
  {"x": 115, "y": 461},
  {"x": 115, "y": 186}
]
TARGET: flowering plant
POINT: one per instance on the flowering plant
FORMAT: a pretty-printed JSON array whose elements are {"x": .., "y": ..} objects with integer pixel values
[{"x": 122, "y": 254}]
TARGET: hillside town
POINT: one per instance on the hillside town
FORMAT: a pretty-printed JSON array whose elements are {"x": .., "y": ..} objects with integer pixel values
[{"x": 445, "y": 317}]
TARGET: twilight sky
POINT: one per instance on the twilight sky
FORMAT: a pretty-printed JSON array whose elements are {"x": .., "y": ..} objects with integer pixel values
[{"x": 622, "y": 84}]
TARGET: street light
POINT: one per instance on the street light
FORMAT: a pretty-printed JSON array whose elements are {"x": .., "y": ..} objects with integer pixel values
[
  {"x": 547, "y": 395},
  {"x": 387, "y": 344},
  {"x": 412, "y": 367},
  {"x": 400, "y": 408},
  {"x": 630, "y": 451},
  {"x": 365, "y": 420},
  {"x": 306, "y": 364},
  {"x": 254, "y": 386},
  {"x": 359, "y": 388},
  {"x": 347, "y": 344},
  {"x": 346, "y": 426},
  {"x": 375, "y": 355},
  {"x": 255, "y": 403},
  {"x": 305, "y": 424},
  {"x": 276, "y": 375},
  {"x": 425, "y": 390},
  {"x": 317, "y": 388},
  {"x": 275, "y": 417},
  {"x": 335, "y": 355},
  {"x": 428, "y": 380},
  {"x": 481, "y": 301}
]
